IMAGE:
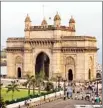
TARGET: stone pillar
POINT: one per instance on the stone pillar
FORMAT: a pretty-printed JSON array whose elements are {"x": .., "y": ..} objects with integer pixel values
[
  {"x": 80, "y": 67},
  {"x": 28, "y": 62},
  {"x": 11, "y": 71},
  {"x": 56, "y": 63},
  {"x": 86, "y": 63},
  {"x": 94, "y": 66}
]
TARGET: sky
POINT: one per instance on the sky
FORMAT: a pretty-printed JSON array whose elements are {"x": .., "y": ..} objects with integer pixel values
[{"x": 88, "y": 17}]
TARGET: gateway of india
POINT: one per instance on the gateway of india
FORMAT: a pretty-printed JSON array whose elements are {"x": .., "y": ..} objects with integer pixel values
[{"x": 54, "y": 49}]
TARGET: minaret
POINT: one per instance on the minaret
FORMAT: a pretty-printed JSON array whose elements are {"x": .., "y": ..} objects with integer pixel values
[
  {"x": 72, "y": 23},
  {"x": 44, "y": 23},
  {"x": 27, "y": 26},
  {"x": 27, "y": 22},
  {"x": 57, "y": 20}
]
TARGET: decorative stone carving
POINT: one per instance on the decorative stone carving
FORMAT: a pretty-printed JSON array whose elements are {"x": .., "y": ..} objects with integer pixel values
[
  {"x": 70, "y": 61},
  {"x": 18, "y": 60},
  {"x": 73, "y": 43}
]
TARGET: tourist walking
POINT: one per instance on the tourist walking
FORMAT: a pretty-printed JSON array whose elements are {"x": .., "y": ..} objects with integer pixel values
[{"x": 69, "y": 91}]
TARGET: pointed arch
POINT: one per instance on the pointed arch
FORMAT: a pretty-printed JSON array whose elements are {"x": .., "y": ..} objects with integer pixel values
[
  {"x": 19, "y": 66},
  {"x": 70, "y": 61}
]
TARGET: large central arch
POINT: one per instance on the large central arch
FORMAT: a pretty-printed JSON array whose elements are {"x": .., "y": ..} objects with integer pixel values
[{"x": 42, "y": 64}]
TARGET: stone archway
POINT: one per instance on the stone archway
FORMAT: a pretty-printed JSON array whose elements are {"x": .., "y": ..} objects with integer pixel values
[
  {"x": 70, "y": 75},
  {"x": 70, "y": 68},
  {"x": 42, "y": 64},
  {"x": 19, "y": 72},
  {"x": 19, "y": 66},
  {"x": 98, "y": 75}
]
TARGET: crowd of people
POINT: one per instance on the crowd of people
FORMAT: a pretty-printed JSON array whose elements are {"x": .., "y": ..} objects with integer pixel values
[{"x": 89, "y": 91}]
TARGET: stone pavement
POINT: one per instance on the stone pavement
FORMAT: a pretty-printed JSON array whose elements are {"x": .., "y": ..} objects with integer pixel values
[{"x": 68, "y": 103}]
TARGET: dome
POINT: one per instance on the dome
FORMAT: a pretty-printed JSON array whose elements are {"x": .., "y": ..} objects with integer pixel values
[
  {"x": 27, "y": 19},
  {"x": 71, "y": 20},
  {"x": 57, "y": 17},
  {"x": 44, "y": 22}
]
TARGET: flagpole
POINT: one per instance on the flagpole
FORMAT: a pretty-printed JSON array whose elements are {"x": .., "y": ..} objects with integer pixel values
[{"x": 43, "y": 11}]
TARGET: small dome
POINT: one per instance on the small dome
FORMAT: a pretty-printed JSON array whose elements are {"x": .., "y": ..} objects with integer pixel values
[
  {"x": 57, "y": 17},
  {"x": 44, "y": 22},
  {"x": 27, "y": 19},
  {"x": 71, "y": 20}
]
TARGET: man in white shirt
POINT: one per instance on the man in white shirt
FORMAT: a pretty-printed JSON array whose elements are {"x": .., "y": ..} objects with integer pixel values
[{"x": 69, "y": 91}]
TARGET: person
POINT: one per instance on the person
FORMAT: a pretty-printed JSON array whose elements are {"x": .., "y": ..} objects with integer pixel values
[
  {"x": 97, "y": 99},
  {"x": 69, "y": 91},
  {"x": 25, "y": 102}
]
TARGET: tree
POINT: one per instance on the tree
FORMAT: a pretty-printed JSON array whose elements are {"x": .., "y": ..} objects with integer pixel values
[
  {"x": 12, "y": 87},
  {"x": 2, "y": 103},
  {"x": 49, "y": 86},
  {"x": 39, "y": 80},
  {"x": 28, "y": 83},
  {"x": 1, "y": 86},
  {"x": 33, "y": 83}
]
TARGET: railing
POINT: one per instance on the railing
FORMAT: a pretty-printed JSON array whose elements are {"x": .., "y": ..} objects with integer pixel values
[{"x": 38, "y": 101}]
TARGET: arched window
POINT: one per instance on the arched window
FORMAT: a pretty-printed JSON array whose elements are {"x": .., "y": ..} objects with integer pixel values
[{"x": 98, "y": 75}]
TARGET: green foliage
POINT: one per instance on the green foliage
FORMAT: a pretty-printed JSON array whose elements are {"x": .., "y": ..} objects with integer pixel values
[
  {"x": 49, "y": 86},
  {"x": 39, "y": 80},
  {"x": 23, "y": 93},
  {"x": 31, "y": 82},
  {"x": 41, "y": 75},
  {"x": 1, "y": 86},
  {"x": 28, "y": 97},
  {"x": 2, "y": 103},
  {"x": 12, "y": 87}
]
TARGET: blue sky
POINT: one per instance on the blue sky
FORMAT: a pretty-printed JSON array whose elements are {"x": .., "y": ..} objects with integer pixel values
[{"x": 88, "y": 17}]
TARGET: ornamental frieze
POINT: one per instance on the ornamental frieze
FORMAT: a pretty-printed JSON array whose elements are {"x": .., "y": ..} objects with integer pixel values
[{"x": 70, "y": 43}]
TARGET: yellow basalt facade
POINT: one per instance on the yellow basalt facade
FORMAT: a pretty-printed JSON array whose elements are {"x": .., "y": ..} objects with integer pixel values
[{"x": 70, "y": 55}]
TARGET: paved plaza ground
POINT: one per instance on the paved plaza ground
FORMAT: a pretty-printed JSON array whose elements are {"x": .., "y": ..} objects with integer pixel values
[{"x": 68, "y": 103}]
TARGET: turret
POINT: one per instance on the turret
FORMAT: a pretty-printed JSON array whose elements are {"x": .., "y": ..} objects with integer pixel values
[
  {"x": 27, "y": 26},
  {"x": 57, "y": 20},
  {"x": 72, "y": 23},
  {"x": 27, "y": 22},
  {"x": 44, "y": 23}
]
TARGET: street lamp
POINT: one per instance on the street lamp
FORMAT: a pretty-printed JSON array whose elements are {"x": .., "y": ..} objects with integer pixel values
[
  {"x": 65, "y": 70},
  {"x": 97, "y": 84},
  {"x": 64, "y": 89},
  {"x": 59, "y": 78},
  {"x": 98, "y": 99}
]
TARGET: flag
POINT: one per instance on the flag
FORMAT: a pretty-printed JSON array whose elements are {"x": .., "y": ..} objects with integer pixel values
[{"x": 49, "y": 17}]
